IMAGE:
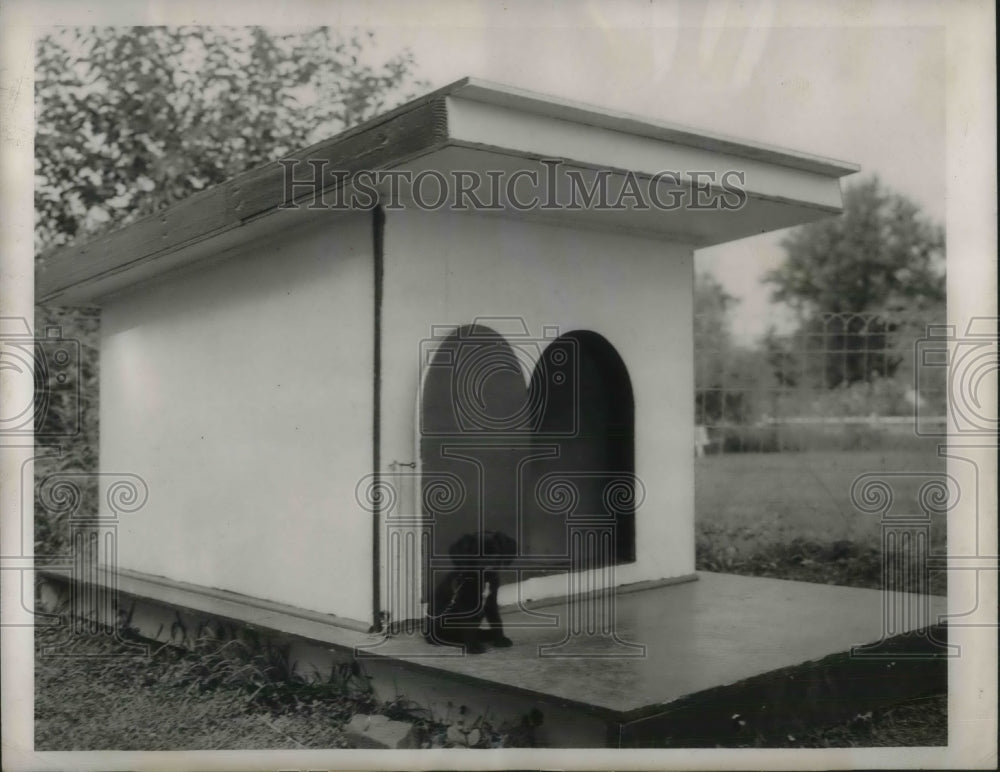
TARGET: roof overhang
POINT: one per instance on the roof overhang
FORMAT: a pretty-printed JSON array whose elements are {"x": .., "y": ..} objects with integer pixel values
[{"x": 476, "y": 126}]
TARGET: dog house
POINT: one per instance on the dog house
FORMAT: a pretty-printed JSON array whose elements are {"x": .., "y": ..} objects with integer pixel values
[{"x": 471, "y": 314}]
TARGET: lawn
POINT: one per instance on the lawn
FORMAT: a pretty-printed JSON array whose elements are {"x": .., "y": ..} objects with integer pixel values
[
  {"x": 807, "y": 495},
  {"x": 790, "y": 515}
]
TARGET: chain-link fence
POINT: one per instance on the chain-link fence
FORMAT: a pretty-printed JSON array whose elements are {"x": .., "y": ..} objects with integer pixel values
[{"x": 839, "y": 382}]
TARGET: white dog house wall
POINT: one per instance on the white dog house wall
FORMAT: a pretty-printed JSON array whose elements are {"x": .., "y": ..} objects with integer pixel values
[{"x": 322, "y": 397}]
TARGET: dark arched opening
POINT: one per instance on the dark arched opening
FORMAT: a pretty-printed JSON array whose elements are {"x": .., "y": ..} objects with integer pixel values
[
  {"x": 590, "y": 422},
  {"x": 475, "y": 426}
]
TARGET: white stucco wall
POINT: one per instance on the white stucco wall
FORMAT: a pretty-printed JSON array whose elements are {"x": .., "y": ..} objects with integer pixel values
[
  {"x": 242, "y": 393},
  {"x": 447, "y": 268}
]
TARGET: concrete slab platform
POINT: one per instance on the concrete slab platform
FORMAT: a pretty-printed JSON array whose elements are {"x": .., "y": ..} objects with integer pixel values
[
  {"x": 711, "y": 661},
  {"x": 696, "y": 636}
]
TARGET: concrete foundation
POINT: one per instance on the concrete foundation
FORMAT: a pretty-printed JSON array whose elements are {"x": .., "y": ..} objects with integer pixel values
[{"x": 724, "y": 660}]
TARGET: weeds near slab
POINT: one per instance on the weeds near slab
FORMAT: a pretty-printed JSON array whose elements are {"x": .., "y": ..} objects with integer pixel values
[{"x": 221, "y": 688}]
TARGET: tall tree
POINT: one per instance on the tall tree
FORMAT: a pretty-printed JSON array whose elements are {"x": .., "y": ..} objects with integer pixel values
[
  {"x": 857, "y": 279},
  {"x": 129, "y": 120},
  {"x": 882, "y": 255}
]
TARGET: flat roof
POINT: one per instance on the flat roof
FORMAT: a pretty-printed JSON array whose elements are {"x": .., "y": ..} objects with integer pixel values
[
  {"x": 471, "y": 114},
  {"x": 564, "y": 109}
]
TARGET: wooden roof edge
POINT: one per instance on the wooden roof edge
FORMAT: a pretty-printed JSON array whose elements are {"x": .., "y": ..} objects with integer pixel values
[
  {"x": 418, "y": 126},
  {"x": 502, "y": 95}
]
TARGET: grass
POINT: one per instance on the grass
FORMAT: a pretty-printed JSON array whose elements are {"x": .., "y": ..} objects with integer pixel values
[
  {"x": 919, "y": 722},
  {"x": 785, "y": 496},
  {"x": 790, "y": 515}
]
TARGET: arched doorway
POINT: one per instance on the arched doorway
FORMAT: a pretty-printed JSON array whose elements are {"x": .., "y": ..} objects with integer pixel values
[
  {"x": 592, "y": 425},
  {"x": 475, "y": 427},
  {"x": 482, "y": 425}
]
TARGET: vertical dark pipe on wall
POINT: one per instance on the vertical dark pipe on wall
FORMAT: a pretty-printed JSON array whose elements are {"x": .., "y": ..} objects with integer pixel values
[{"x": 378, "y": 245}]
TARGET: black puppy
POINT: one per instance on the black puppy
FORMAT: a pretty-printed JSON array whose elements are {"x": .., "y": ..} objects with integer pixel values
[{"x": 468, "y": 594}]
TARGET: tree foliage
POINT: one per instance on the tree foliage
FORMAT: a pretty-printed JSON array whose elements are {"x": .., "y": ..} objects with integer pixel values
[
  {"x": 882, "y": 256},
  {"x": 130, "y": 120},
  {"x": 711, "y": 312},
  {"x": 728, "y": 377},
  {"x": 861, "y": 283}
]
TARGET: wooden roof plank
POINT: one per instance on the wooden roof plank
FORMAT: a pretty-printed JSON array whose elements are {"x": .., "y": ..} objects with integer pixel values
[
  {"x": 262, "y": 190},
  {"x": 250, "y": 195}
]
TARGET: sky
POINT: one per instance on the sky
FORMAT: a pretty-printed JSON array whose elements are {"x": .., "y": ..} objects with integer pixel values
[
  {"x": 874, "y": 96},
  {"x": 855, "y": 81}
]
